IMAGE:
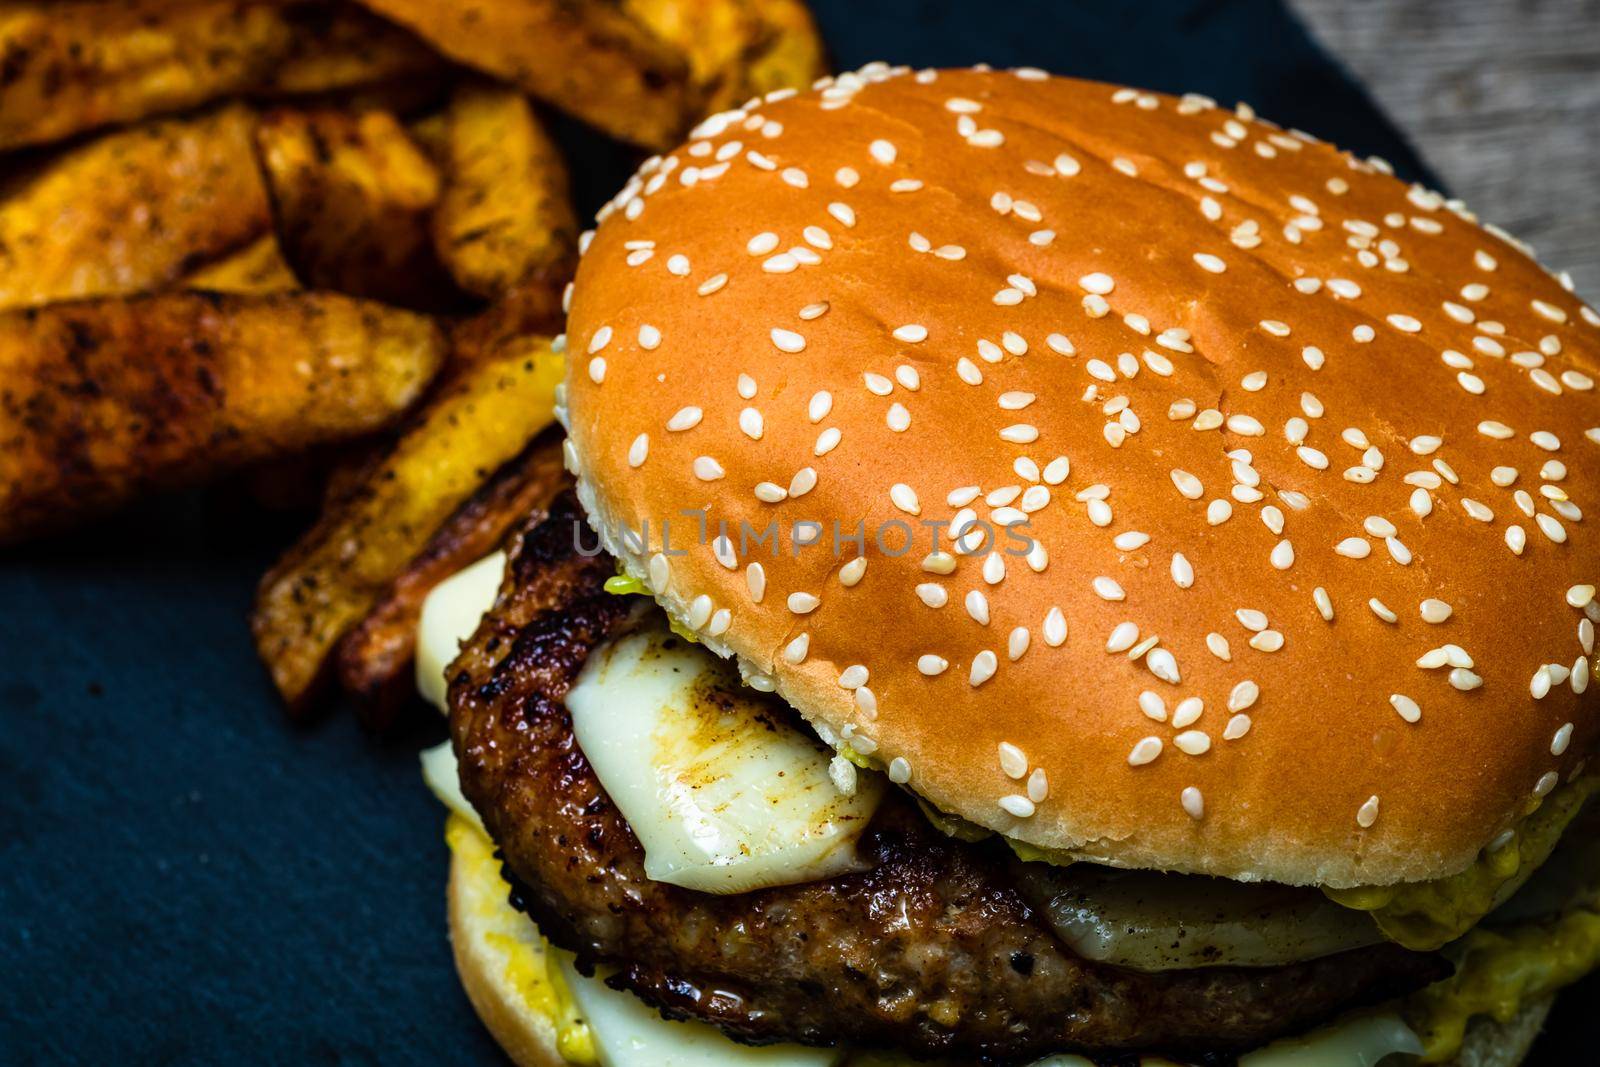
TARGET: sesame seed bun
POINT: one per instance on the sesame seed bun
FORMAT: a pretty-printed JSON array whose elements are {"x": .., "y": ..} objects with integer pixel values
[
  {"x": 485, "y": 932},
  {"x": 1314, "y": 432}
]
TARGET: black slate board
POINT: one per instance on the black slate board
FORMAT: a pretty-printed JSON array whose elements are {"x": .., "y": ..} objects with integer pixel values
[{"x": 184, "y": 877}]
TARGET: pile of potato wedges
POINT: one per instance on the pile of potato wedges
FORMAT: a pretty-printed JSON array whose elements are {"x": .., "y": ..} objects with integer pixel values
[{"x": 322, "y": 241}]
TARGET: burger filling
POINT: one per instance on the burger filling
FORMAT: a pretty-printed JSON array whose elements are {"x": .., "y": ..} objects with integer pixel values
[{"x": 699, "y": 855}]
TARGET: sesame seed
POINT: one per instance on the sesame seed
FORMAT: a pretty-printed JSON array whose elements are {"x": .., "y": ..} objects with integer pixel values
[
  {"x": 1187, "y": 713},
  {"x": 639, "y": 450},
  {"x": 803, "y": 603},
  {"x": 1123, "y": 637},
  {"x": 1164, "y": 665},
  {"x": 1144, "y": 751},
  {"x": 1108, "y": 589},
  {"x": 707, "y": 469},
  {"x": 1020, "y": 434},
  {"x": 1153, "y": 706},
  {"x": 1193, "y": 742},
  {"x": 1408, "y": 708},
  {"x": 899, "y": 770},
  {"x": 1354, "y": 548},
  {"x": 1055, "y": 628},
  {"x": 1243, "y": 696},
  {"x": 905, "y": 498},
  {"x": 984, "y": 664},
  {"x": 1282, "y": 557},
  {"x": 1013, "y": 761},
  {"x": 1435, "y": 611},
  {"x": 1193, "y": 803},
  {"x": 788, "y": 341},
  {"x": 851, "y": 572},
  {"x": 1367, "y": 814},
  {"x": 1019, "y": 806},
  {"x": 853, "y": 677},
  {"x": 911, "y": 333},
  {"x": 1210, "y": 263},
  {"x": 762, "y": 244}
]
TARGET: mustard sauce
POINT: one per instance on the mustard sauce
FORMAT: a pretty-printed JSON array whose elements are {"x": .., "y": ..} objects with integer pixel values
[
  {"x": 529, "y": 965},
  {"x": 1427, "y": 915}
]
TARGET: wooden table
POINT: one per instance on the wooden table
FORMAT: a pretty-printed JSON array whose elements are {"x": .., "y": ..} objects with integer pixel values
[{"x": 1501, "y": 96}]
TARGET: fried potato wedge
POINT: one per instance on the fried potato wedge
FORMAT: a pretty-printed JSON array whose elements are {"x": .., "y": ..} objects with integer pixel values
[
  {"x": 533, "y": 307},
  {"x": 354, "y": 196},
  {"x": 738, "y": 49},
  {"x": 586, "y": 57},
  {"x": 104, "y": 399},
  {"x": 506, "y": 211},
  {"x": 258, "y": 267},
  {"x": 375, "y": 658},
  {"x": 329, "y": 580},
  {"x": 791, "y": 54},
  {"x": 131, "y": 211},
  {"x": 70, "y": 67}
]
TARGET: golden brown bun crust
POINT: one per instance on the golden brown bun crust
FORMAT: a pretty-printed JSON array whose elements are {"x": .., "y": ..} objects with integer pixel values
[
  {"x": 528, "y": 1037},
  {"x": 1282, "y": 801}
]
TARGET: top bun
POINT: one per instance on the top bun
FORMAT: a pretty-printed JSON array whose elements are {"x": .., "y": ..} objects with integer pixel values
[{"x": 1302, "y": 450}]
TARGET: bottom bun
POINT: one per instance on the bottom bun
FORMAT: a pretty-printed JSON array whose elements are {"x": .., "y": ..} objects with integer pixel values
[
  {"x": 1495, "y": 1044},
  {"x": 501, "y": 957},
  {"x": 515, "y": 986}
]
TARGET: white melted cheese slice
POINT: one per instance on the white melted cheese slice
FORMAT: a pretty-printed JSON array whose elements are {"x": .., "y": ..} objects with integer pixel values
[
  {"x": 724, "y": 793},
  {"x": 1360, "y": 1041},
  {"x": 450, "y": 614},
  {"x": 440, "y": 772},
  {"x": 627, "y": 1033}
]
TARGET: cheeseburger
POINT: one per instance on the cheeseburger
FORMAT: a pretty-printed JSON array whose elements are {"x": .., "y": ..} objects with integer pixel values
[{"x": 1052, "y": 573}]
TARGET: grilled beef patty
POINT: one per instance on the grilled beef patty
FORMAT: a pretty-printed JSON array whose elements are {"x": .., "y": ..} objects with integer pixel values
[{"x": 931, "y": 951}]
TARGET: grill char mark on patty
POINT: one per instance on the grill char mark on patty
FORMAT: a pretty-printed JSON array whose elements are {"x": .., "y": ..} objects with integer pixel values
[{"x": 920, "y": 953}]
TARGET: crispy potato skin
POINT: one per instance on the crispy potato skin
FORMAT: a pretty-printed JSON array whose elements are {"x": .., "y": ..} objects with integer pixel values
[
  {"x": 506, "y": 211},
  {"x": 738, "y": 49},
  {"x": 329, "y": 580},
  {"x": 354, "y": 195},
  {"x": 585, "y": 57},
  {"x": 131, "y": 211},
  {"x": 375, "y": 658},
  {"x": 533, "y": 307},
  {"x": 103, "y": 399},
  {"x": 258, "y": 267},
  {"x": 67, "y": 68},
  {"x": 792, "y": 55}
]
